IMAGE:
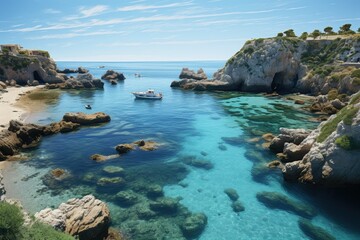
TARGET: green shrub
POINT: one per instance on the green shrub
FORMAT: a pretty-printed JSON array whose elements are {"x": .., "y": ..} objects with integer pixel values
[
  {"x": 346, "y": 114},
  {"x": 345, "y": 142},
  {"x": 249, "y": 50},
  {"x": 40, "y": 231},
  {"x": 356, "y": 73},
  {"x": 332, "y": 94},
  {"x": 356, "y": 81},
  {"x": 11, "y": 219},
  {"x": 355, "y": 99}
]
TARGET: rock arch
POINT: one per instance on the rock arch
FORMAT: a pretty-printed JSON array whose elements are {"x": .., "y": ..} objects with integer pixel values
[
  {"x": 284, "y": 82},
  {"x": 38, "y": 77}
]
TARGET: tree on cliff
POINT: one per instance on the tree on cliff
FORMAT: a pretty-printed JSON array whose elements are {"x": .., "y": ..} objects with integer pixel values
[
  {"x": 329, "y": 30},
  {"x": 358, "y": 30},
  {"x": 304, "y": 36},
  {"x": 280, "y": 35},
  {"x": 290, "y": 33},
  {"x": 315, "y": 33},
  {"x": 346, "y": 29}
]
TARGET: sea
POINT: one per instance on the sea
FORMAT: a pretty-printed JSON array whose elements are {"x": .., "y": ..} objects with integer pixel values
[{"x": 207, "y": 142}]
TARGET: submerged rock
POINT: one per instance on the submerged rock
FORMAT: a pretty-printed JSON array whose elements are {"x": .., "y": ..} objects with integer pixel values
[
  {"x": 113, "y": 169},
  {"x": 127, "y": 197},
  {"x": 237, "y": 206},
  {"x": 87, "y": 218},
  {"x": 194, "y": 225},
  {"x": 165, "y": 205},
  {"x": 280, "y": 201},
  {"x": 115, "y": 180},
  {"x": 314, "y": 232},
  {"x": 232, "y": 194},
  {"x": 86, "y": 119},
  {"x": 147, "y": 145},
  {"x": 154, "y": 191},
  {"x": 198, "y": 163}
]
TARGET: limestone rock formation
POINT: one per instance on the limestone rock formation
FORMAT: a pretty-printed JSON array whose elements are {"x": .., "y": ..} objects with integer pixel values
[
  {"x": 23, "y": 68},
  {"x": 334, "y": 155},
  {"x": 86, "y": 119},
  {"x": 286, "y": 65},
  {"x": 287, "y": 135},
  {"x": 88, "y": 218},
  {"x": 190, "y": 74},
  {"x": 194, "y": 225},
  {"x": 112, "y": 75}
]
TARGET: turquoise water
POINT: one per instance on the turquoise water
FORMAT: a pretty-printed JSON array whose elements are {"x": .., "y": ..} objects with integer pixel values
[{"x": 218, "y": 127}]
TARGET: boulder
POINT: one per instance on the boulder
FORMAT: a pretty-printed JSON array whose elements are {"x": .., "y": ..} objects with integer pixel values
[
  {"x": 275, "y": 200},
  {"x": 237, "y": 206},
  {"x": 287, "y": 135},
  {"x": 86, "y": 119},
  {"x": 190, "y": 74},
  {"x": 82, "y": 70},
  {"x": 113, "y": 170},
  {"x": 112, "y": 75},
  {"x": 147, "y": 145},
  {"x": 295, "y": 152},
  {"x": 232, "y": 194},
  {"x": 62, "y": 127},
  {"x": 314, "y": 232},
  {"x": 111, "y": 181},
  {"x": 87, "y": 218},
  {"x": 194, "y": 225},
  {"x": 154, "y": 191},
  {"x": 165, "y": 205},
  {"x": 126, "y": 197},
  {"x": 3, "y": 85},
  {"x": 124, "y": 148},
  {"x": 198, "y": 163}
]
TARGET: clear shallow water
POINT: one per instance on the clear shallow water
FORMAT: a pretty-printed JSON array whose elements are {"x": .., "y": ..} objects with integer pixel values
[{"x": 210, "y": 126}]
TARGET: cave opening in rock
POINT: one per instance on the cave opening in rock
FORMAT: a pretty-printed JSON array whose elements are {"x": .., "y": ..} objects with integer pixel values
[
  {"x": 37, "y": 77},
  {"x": 278, "y": 81}
]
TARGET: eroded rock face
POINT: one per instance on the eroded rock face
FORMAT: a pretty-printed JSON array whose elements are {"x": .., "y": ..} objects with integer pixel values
[
  {"x": 24, "y": 68},
  {"x": 88, "y": 218},
  {"x": 86, "y": 119},
  {"x": 287, "y": 135},
  {"x": 112, "y": 75},
  {"x": 333, "y": 159}
]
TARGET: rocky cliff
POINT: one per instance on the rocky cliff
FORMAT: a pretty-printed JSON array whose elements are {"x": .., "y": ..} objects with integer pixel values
[
  {"x": 24, "y": 69},
  {"x": 290, "y": 64},
  {"x": 330, "y": 154}
]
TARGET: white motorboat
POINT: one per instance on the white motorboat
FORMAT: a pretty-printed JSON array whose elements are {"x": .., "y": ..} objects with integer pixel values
[{"x": 149, "y": 94}]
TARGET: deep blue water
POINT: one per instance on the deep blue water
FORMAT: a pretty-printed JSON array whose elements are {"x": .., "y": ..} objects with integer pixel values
[{"x": 214, "y": 126}]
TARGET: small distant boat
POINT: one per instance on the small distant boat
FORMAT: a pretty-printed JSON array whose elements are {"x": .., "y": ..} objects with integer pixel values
[
  {"x": 149, "y": 94},
  {"x": 87, "y": 106},
  {"x": 101, "y": 66}
]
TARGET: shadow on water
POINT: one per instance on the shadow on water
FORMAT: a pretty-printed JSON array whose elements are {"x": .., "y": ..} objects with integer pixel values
[{"x": 341, "y": 205}]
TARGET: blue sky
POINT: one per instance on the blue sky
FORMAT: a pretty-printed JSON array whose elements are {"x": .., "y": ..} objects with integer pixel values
[{"x": 161, "y": 30}]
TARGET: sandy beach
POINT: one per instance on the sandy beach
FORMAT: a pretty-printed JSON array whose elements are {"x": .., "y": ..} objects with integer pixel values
[{"x": 9, "y": 108}]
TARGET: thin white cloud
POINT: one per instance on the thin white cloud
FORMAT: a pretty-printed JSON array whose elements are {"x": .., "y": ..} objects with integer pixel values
[
  {"x": 151, "y": 7},
  {"x": 154, "y": 18},
  {"x": 52, "y": 11},
  {"x": 185, "y": 42},
  {"x": 75, "y": 34},
  {"x": 89, "y": 12}
]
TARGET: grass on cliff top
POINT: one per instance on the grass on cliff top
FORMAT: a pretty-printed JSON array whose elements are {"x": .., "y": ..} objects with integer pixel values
[{"x": 346, "y": 114}]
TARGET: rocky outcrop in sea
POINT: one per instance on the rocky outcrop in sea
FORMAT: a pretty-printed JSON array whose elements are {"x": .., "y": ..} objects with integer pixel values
[
  {"x": 111, "y": 75},
  {"x": 87, "y": 218},
  {"x": 81, "y": 81},
  {"x": 20, "y": 135}
]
